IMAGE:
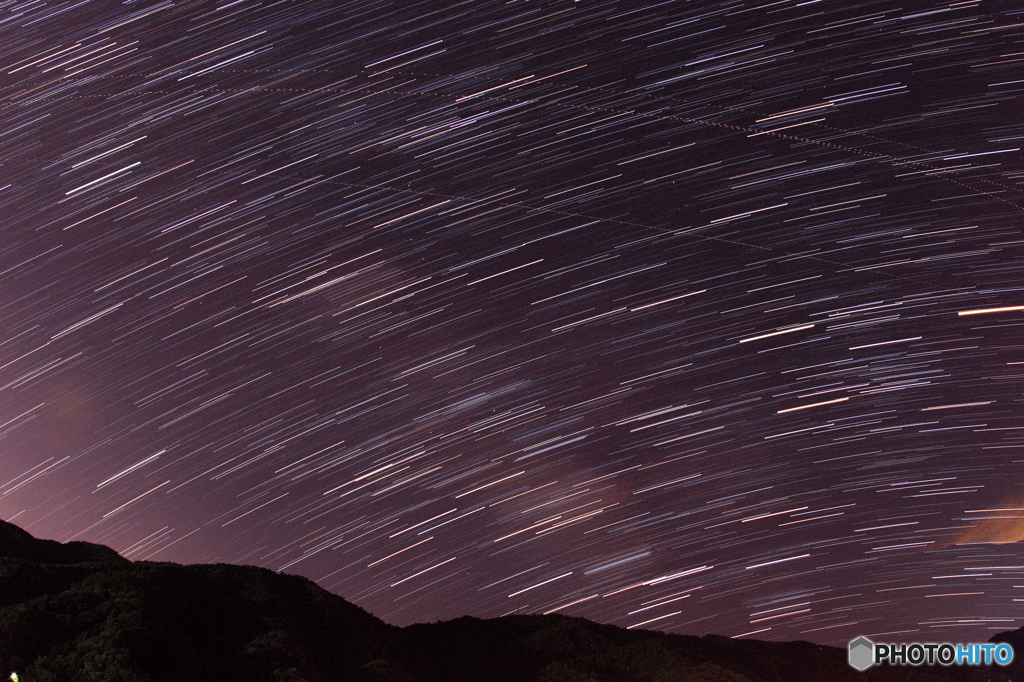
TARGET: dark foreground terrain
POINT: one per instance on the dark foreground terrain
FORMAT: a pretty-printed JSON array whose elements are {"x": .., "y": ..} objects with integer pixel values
[{"x": 78, "y": 611}]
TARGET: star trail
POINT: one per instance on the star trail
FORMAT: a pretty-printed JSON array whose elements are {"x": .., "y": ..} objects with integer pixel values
[{"x": 703, "y": 317}]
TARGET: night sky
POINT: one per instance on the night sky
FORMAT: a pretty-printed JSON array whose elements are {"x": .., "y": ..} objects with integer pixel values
[{"x": 703, "y": 317}]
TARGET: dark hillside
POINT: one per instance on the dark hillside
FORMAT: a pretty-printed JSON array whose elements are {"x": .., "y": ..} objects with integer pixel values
[
  {"x": 561, "y": 649},
  {"x": 84, "y": 611},
  {"x": 77, "y": 611}
]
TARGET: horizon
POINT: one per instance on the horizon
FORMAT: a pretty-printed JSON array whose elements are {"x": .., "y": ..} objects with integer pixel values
[
  {"x": 701, "y": 317},
  {"x": 842, "y": 646}
]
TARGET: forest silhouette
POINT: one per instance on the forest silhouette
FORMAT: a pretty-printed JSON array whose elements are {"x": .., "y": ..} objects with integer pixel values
[{"x": 79, "y": 611}]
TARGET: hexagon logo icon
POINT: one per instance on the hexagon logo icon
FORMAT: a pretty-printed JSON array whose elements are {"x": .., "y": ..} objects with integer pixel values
[{"x": 862, "y": 653}]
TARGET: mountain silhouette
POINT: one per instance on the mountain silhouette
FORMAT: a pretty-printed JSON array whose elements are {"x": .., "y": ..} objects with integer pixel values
[{"x": 78, "y": 611}]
